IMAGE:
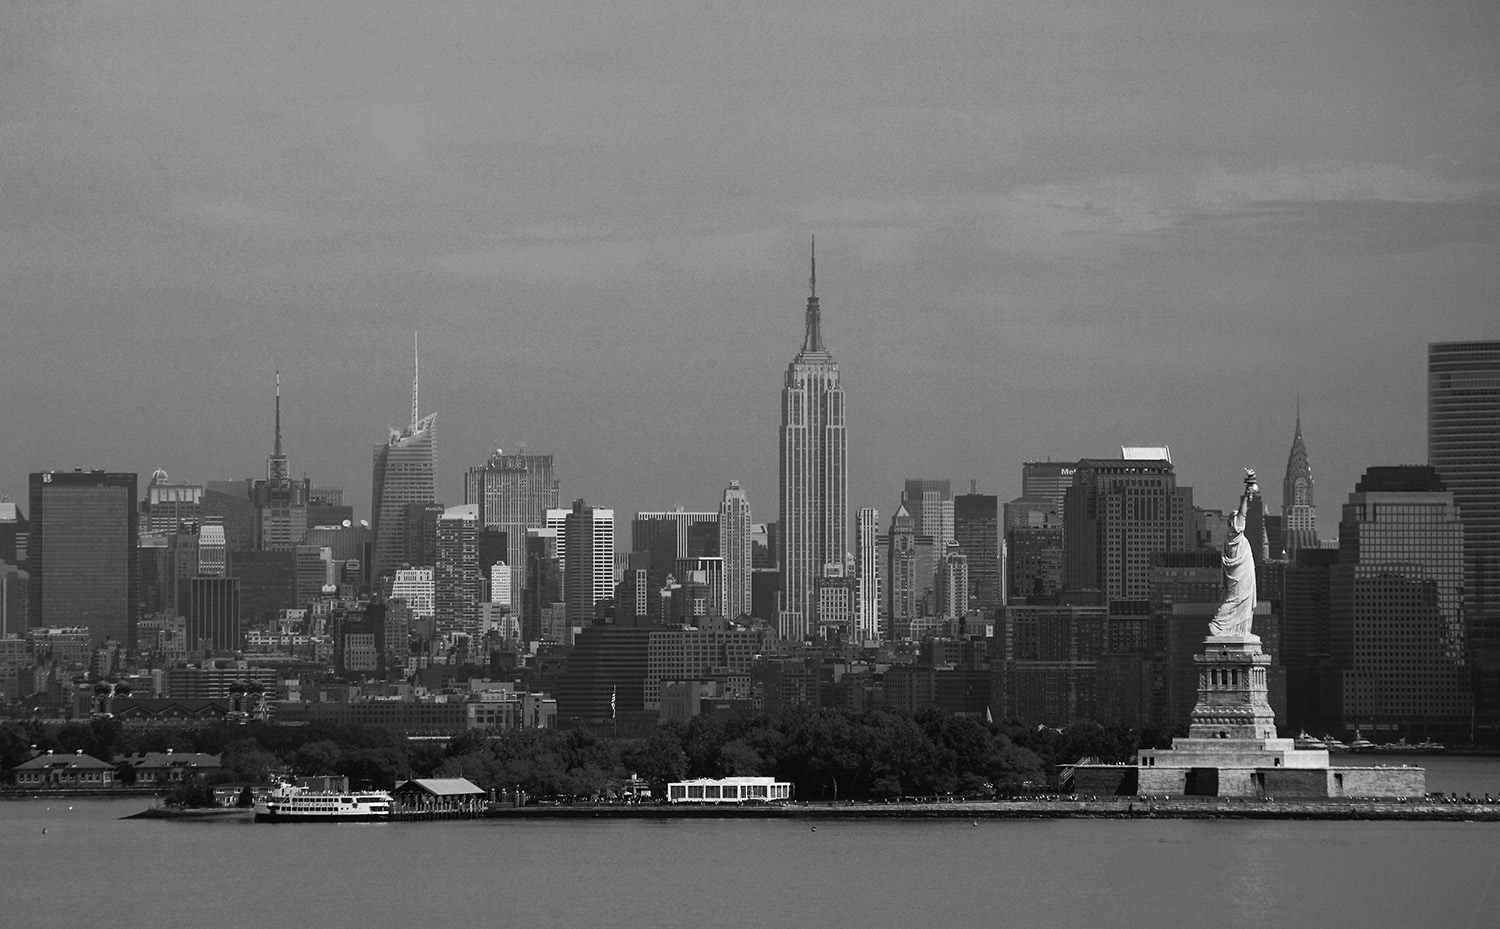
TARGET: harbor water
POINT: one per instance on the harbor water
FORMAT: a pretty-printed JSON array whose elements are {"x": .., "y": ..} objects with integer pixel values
[{"x": 64, "y": 859}]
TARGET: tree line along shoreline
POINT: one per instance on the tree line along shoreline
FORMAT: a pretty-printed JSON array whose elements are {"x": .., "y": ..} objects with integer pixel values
[{"x": 827, "y": 754}]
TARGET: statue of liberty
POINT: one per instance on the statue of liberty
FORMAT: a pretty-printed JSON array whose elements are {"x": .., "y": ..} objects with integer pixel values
[{"x": 1238, "y": 609}]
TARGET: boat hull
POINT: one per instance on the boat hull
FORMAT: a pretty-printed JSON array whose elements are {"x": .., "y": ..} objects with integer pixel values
[{"x": 273, "y": 817}]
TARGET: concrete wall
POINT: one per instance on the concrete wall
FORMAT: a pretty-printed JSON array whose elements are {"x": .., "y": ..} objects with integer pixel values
[
  {"x": 1281, "y": 783},
  {"x": 1377, "y": 782},
  {"x": 1296, "y": 782},
  {"x": 1115, "y": 780}
]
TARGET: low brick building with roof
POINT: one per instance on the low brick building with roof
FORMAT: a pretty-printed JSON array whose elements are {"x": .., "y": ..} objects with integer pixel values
[{"x": 72, "y": 771}]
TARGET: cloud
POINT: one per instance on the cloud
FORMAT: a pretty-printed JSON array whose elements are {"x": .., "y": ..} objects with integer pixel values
[
  {"x": 1329, "y": 180},
  {"x": 584, "y": 253}
]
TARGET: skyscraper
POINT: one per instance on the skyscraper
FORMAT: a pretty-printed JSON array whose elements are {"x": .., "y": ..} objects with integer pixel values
[
  {"x": 82, "y": 552},
  {"x": 1463, "y": 444},
  {"x": 170, "y": 507},
  {"x": 1118, "y": 513},
  {"x": 868, "y": 572},
  {"x": 514, "y": 493},
  {"x": 587, "y": 554},
  {"x": 930, "y": 503},
  {"x": 455, "y": 577},
  {"x": 1299, "y": 516},
  {"x": 1048, "y": 480},
  {"x": 1395, "y": 614},
  {"x": 280, "y": 502},
  {"x": 403, "y": 474},
  {"x": 1033, "y": 549},
  {"x": 976, "y": 528},
  {"x": 951, "y": 583},
  {"x": 814, "y": 488},
  {"x": 734, "y": 548},
  {"x": 909, "y": 574}
]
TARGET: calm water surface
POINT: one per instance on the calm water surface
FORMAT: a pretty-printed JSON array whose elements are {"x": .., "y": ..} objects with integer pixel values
[{"x": 94, "y": 868}]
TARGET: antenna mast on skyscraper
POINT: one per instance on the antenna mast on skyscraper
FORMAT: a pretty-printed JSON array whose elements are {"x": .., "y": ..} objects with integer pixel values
[
  {"x": 812, "y": 282},
  {"x": 813, "y": 340},
  {"x": 416, "y": 378},
  {"x": 276, "y": 470}
]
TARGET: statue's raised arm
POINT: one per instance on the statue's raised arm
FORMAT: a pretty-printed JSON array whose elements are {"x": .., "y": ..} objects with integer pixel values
[{"x": 1238, "y": 609}]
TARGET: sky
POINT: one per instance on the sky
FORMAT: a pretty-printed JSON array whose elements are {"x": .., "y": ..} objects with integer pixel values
[{"x": 1044, "y": 229}]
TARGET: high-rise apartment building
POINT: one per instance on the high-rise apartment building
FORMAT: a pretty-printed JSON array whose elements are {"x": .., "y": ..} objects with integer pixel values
[
  {"x": 868, "y": 571},
  {"x": 976, "y": 529},
  {"x": 951, "y": 584},
  {"x": 1118, "y": 513},
  {"x": 1463, "y": 444},
  {"x": 82, "y": 552},
  {"x": 514, "y": 493},
  {"x": 403, "y": 475},
  {"x": 813, "y": 505},
  {"x": 734, "y": 548},
  {"x": 1395, "y": 610},
  {"x": 456, "y": 579}
]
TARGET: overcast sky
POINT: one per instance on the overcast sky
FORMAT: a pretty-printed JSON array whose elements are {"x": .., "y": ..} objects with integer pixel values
[{"x": 1044, "y": 229}]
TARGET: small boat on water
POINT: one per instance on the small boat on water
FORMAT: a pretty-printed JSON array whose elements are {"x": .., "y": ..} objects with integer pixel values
[
  {"x": 1306, "y": 741},
  {"x": 1334, "y": 745},
  {"x": 288, "y": 803},
  {"x": 1360, "y": 743}
]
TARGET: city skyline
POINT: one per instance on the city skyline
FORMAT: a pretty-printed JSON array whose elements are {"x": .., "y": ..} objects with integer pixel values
[{"x": 1047, "y": 231}]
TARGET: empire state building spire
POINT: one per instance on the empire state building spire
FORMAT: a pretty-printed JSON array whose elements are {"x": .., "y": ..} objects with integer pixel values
[{"x": 813, "y": 340}]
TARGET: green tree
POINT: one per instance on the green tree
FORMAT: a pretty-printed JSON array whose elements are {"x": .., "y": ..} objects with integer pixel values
[
  {"x": 659, "y": 759},
  {"x": 315, "y": 758}
]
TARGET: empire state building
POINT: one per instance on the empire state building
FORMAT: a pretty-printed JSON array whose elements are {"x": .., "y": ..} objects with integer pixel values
[{"x": 814, "y": 499}]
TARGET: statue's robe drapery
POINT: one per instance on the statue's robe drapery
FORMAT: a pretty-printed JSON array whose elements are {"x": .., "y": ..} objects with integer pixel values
[{"x": 1238, "y": 609}]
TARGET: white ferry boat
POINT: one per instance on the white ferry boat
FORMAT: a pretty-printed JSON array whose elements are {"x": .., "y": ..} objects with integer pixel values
[{"x": 292, "y": 804}]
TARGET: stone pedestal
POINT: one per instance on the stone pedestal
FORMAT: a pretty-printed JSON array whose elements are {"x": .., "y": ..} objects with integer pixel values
[
  {"x": 1232, "y": 701},
  {"x": 1232, "y": 748}
]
